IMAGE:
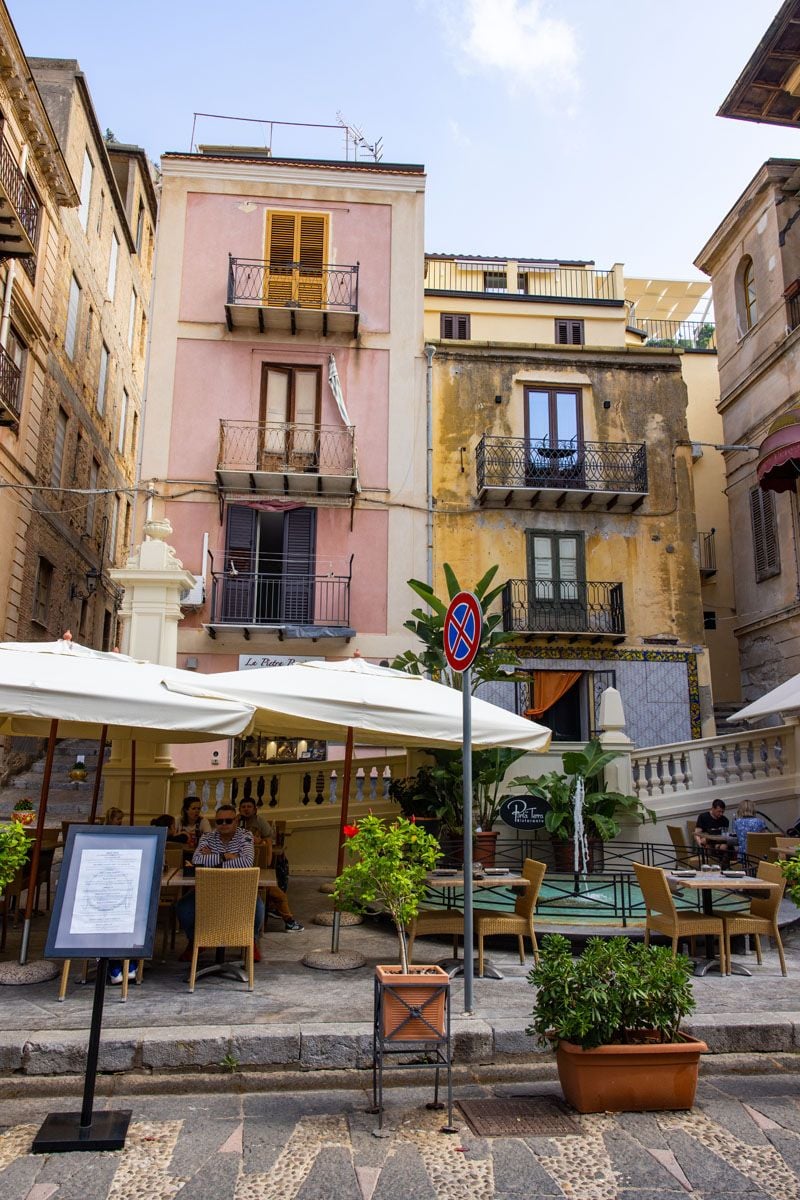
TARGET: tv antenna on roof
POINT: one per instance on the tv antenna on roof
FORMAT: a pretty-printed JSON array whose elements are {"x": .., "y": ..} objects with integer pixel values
[{"x": 354, "y": 136}]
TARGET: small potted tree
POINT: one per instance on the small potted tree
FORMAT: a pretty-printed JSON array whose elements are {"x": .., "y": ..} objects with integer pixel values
[
  {"x": 389, "y": 863},
  {"x": 614, "y": 1016},
  {"x": 602, "y": 809}
]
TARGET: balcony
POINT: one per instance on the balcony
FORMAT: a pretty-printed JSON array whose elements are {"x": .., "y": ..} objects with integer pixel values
[
  {"x": 289, "y": 297},
  {"x": 683, "y": 335},
  {"x": 19, "y": 208},
  {"x": 311, "y": 462},
  {"x": 575, "y": 608},
  {"x": 448, "y": 276},
  {"x": 293, "y": 604},
  {"x": 548, "y": 474},
  {"x": 708, "y": 553},
  {"x": 10, "y": 388}
]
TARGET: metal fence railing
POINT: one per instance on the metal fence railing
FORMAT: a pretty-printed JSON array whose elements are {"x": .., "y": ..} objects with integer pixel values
[
  {"x": 684, "y": 335},
  {"x": 10, "y": 380},
  {"x": 286, "y": 447},
  {"x": 462, "y": 276},
  {"x": 279, "y": 598},
  {"x": 563, "y": 606},
  {"x": 586, "y": 466},
  {"x": 276, "y": 284},
  {"x": 708, "y": 552},
  {"x": 19, "y": 192}
]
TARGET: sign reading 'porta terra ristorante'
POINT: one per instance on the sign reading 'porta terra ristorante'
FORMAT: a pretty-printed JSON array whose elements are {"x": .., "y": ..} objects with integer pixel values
[{"x": 524, "y": 812}]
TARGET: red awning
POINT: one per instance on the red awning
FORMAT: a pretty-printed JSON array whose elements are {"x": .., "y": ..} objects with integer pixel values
[{"x": 778, "y": 465}]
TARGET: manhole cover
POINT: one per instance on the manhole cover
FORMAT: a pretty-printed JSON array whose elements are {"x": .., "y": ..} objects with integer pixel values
[{"x": 518, "y": 1116}]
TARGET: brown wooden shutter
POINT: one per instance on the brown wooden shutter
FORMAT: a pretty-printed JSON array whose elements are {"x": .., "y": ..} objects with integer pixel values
[
  {"x": 298, "y": 565},
  {"x": 455, "y": 326},
  {"x": 569, "y": 333},
  {"x": 239, "y": 569},
  {"x": 766, "y": 551}
]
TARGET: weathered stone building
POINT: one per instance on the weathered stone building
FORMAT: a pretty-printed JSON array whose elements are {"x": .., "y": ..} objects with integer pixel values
[
  {"x": 562, "y": 453},
  {"x": 102, "y": 253}
]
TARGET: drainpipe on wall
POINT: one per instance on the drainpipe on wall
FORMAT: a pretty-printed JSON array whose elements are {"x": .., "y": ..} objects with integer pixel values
[
  {"x": 429, "y": 353},
  {"x": 5, "y": 320}
]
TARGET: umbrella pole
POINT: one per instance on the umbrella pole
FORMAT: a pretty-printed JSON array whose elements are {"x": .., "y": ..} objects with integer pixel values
[
  {"x": 101, "y": 753},
  {"x": 133, "y": 781},
  {"x": 37, "y": 845},
  {"x": 345, "y": 804}
]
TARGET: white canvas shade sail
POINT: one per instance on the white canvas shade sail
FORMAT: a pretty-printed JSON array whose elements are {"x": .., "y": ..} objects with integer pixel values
[
  {"x": 85, "y": 689},
  {"x": 783, "y": 699},
  {"x": 383, "y": 707}
]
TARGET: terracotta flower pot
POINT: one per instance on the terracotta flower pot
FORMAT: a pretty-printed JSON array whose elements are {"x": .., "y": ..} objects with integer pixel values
[
  {"x": 630, "y": 1078},
  {"x": 564, "y": 855},
  {"x": 24, "y": 816},
  {"x": 412, "y": 1005}
]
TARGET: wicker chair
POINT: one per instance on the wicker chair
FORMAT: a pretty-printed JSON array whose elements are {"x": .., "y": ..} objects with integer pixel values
[
  {"x": 437, "y": 920},
  {"x": 762, "y": 916},
  {"x": 760, "y": 845},
  {"x": 683, "y": 854},
  {"x": 664, "y": 918},
  {"x": 225, "y": 909},
  {"x": 520, "y": 922},
  {"x": 786, "y": 844}
]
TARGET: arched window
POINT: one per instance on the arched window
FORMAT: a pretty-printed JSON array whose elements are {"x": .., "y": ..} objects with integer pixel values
[{"x": 746, "y": 304}]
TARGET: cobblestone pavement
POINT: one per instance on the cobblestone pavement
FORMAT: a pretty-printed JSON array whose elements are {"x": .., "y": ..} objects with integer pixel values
[{"x": 741, "y": 1140}]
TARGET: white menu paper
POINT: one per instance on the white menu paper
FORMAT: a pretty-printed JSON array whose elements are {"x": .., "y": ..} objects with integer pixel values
[{"x": 106, "y": 891}]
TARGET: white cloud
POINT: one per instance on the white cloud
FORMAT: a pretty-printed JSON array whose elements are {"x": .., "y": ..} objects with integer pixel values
[{"x": 516, "y": 39}]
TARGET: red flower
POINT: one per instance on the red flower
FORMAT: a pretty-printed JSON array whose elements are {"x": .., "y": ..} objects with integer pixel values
[
  {"x": 350, "y": 831},
  {"x": 413, "y": 819}
]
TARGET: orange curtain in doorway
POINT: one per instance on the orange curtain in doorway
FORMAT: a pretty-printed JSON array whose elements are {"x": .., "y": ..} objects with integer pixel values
[{"x": 548, "y": 687}]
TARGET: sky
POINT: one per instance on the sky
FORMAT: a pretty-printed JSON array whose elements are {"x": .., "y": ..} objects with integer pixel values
[{"x": 583, "y": 129}]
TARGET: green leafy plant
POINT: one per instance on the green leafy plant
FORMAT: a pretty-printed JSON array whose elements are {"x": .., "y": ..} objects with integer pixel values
[
  {"x": 615, "y": 992},
  {"x": 602, "y": 808},
  {"x": 436, "y": 791},
  {"x": 390, "y": 862},
  {"x": 791, "y": 873},
  {"x": 23, "y": 805},
  {"x": 429, "y": 628},
  {"x": 230, "y": 1063},
  {"x": 14, "y": 848}
]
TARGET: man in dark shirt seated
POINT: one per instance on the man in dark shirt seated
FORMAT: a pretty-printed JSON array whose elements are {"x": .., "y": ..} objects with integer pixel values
[
  {"x": 226, "y": 846},
  {"x": 714, "y": 823}
]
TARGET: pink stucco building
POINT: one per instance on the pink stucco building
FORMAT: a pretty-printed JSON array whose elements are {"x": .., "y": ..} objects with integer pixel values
[{"x": 285, "y": 426}]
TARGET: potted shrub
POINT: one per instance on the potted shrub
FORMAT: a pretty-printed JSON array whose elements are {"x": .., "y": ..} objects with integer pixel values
[
  {"x": 389, "y": 863},
  {"x": 614, "y": 1015},
  {"x": 24, "y": 812},
  {"x": 14, "y": 847},
  {"x": 602, "y": 808}
]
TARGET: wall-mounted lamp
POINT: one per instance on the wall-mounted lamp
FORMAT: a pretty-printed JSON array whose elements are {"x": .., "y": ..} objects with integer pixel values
[{"x": 93, "y": 579}]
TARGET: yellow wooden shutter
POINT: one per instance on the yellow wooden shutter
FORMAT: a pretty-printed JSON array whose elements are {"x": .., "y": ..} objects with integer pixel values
[
  {"x": 312, "y": 244},
  {"x": 279, "y": 274}
]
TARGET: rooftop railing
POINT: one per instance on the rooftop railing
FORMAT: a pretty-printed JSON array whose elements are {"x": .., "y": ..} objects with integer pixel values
[
  {"x": 466, "y": 277},
  {"x": 683, "y": 335}
]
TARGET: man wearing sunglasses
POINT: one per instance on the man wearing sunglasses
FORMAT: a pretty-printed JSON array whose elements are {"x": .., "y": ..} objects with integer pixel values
[{"x": 226, "y": 846}]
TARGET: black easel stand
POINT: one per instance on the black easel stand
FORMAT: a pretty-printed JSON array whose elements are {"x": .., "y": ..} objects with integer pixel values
[{"x": 86, "y": 1130}]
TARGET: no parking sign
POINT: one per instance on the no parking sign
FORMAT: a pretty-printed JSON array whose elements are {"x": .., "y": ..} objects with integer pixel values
[{"x": 463, "y": 626}]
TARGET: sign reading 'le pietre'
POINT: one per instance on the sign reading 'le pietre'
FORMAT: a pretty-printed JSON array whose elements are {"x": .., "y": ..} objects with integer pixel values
[{"x": 524, "y": 812}]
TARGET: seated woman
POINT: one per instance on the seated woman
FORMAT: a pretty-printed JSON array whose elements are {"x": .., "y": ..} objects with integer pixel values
[
  {"x": 114, "y": 816},
  {"x": 191, "y": 823},
  {"x": 165, "y": 821},
  {"x": 746, "y": 822}
]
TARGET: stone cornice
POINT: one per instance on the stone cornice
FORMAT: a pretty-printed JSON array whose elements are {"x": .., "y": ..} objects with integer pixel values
[{"x": 275, "y": 173}]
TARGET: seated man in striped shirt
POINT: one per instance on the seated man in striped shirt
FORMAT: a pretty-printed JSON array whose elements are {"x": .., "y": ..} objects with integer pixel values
[{"x": 226, "y": 846}]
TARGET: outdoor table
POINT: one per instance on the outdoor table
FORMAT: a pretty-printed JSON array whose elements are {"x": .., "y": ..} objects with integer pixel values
[
  {"x": 173, "y": 877},
  {"x": 788, "y": 851},
  {"x": 449, "y": 884},
  {"x": 707, "y": 882}
]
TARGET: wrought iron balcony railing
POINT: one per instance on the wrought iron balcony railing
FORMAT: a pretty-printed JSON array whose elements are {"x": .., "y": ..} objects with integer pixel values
[
  {"x": 561, "y": 606},
  {"x": 708, "y": 553},
  {"x": 18, "y": 191},
  {"x": 684, "y": 335},
  {"x": 290, "y": 456},
  {"x": 280, "y": 598},
  {"x": 470, "y": 277},
  {"x": 292, "y": 285},
  {"x": 10, "y": 387},
  {"x": 793, "y": 312},
  {"x": 609, "y": 468}
]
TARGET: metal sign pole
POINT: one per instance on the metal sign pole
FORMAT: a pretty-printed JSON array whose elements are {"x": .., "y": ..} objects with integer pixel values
[{"x": 467, "y": 790}]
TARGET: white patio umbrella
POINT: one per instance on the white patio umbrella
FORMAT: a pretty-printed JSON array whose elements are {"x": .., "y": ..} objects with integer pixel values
[
  {"x": 61, "y": 689},
  {"x": 783, "y": 699}
]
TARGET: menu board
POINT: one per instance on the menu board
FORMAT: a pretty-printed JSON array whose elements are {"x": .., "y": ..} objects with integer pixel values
[{"x": 107, "y": 896}]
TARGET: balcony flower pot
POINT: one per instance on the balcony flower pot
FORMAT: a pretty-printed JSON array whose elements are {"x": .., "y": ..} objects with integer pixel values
[
  {"x": 412, "y": 1003},
  {"x": 636, "y": 1077},
  {"x": 613, "y": 1016}
]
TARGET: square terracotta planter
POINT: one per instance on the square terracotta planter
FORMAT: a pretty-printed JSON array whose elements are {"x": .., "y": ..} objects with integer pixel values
[
  {"x": 642, "y": 1077},
  {"x": 413, "y": 1005}
]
